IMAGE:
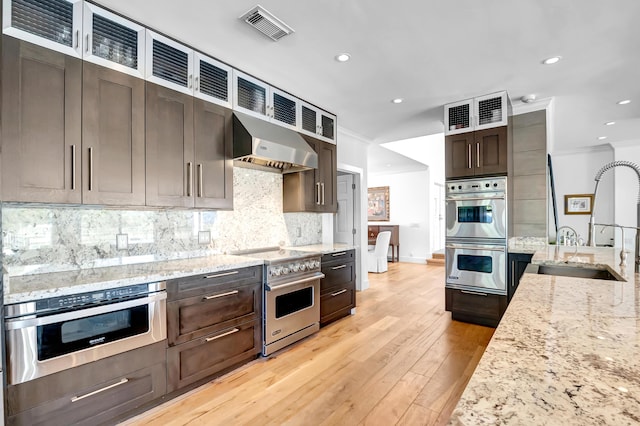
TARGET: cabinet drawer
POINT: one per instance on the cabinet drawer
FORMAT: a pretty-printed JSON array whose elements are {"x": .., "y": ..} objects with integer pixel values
[
  {"x": 477, "y": 308},
  {"x": 195, "y": 360},
  {"x": 337, "y": 274},
  {"x": 337, "y": 304},
  {"x": 197, "y": 316},
  {"x": 92, "y": 393},
  {"x": 202, "y": 285},
  {"x": 339, "y": 256}
]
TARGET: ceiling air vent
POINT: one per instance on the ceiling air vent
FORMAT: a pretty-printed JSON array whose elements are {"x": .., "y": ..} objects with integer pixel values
[{"x": 262, "y": 20}]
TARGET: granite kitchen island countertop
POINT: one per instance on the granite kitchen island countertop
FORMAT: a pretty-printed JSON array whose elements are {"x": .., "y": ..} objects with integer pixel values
[
  {"x": 18, "y": 289},
  {"x": 324, "y": 248},
  {"x": 567, "y": 350}
]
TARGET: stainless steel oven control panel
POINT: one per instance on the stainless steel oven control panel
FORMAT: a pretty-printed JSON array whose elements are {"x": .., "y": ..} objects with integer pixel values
[{"x": 477, "y": 185}]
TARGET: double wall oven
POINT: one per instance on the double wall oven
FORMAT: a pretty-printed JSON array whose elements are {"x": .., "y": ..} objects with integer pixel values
[{"x": 476, "y": 236}]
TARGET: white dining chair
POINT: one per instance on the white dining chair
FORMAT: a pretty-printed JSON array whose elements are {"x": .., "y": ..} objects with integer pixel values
[{"x": 377, "y": 258}]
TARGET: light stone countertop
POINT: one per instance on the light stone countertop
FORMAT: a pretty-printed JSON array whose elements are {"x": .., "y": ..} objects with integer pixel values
[
  {"x": 567, "y": 350},
  {"x": 23, "y": 288},
  {"x": 324, "y": 248}
]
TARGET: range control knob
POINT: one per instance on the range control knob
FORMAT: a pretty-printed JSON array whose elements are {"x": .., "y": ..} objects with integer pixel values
[
  {"x": 303, "y": 266},
  {"x": 316, "y": 264},
  {"x": 486, "y": 185},
  {"x": 495, "y": 185},
  {"x": 285, "y": 270},
  {"x": 275, "y": 271},
  {"x": 295, "y": 267}
]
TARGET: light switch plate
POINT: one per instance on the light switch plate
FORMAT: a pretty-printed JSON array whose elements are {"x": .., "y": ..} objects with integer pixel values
[{"x": 122, "y": 241}]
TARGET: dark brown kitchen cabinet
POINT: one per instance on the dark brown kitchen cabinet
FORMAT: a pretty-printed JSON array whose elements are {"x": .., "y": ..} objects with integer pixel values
[
  {"x": 41, "y": 124},
  {"x": 214, "y": 322},
  {"x": 95, "y": 393},
  {"x": 113, "y": 139},
  {"x": 478, "y": 153},
  {"x": 313, "y": 190},
  {"x": 475, "y": 307},
  {"x": 189, "y": 151},
  {"x": 338, "y": 287},
  {"x": 518, "y": 262}
]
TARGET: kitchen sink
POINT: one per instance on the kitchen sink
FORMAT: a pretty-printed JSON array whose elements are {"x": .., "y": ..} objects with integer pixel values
[{"x": 573, "y": 271}]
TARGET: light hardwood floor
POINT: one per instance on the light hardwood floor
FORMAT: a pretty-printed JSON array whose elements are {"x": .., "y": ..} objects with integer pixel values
[{"x": 399, "y": 360}]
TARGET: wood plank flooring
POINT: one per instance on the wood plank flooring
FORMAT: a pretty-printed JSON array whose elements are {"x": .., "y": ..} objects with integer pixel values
[{"x": 399, "y": 360}]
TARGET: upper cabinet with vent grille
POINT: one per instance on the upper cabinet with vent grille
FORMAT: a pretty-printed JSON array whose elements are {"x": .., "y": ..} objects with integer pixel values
[
  {"x": 54, "y": 24},
  {"x": 318, "y": 123},
  {"x": 483, "y": 112},
  {"x": 112, "y": 41},
  {"x": 257, "y": 98},
  {"x": 169, "y": 63}
]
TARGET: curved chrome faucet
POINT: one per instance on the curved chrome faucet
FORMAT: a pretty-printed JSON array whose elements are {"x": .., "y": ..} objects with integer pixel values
[{"x": 592, "y": 220}]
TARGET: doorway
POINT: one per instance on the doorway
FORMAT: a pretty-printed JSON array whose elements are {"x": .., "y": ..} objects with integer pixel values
[{"x": 344, "y": 221}]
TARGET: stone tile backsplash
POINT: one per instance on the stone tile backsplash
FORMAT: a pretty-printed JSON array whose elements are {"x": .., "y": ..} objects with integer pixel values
[{"x": 39, "y": 238}]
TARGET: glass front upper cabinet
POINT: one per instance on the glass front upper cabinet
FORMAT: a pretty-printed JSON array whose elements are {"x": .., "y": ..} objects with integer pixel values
[
  {"x": 317, "y": 122},
  {"x": 53, "y": 24},
  {"x": 112, "y": 41},
  {"x": 213, "y": 80},
  {"x": 169, "y": 63}
]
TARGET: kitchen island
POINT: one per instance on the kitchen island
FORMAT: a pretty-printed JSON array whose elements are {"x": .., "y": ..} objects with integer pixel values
[{"x": 567, "y": 350}]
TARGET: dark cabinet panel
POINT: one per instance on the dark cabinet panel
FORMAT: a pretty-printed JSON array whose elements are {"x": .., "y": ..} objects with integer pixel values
[
  {"x": 337, "y": 275},
  {"x": 203, "y": 285},
  {"x": 337, "y": 304},
  {"x": 213, "y": 129},
  {"x": 517, "y": 264},
  {"x": 478, "y": 153},
  {"x": 475, "y": 307},
  {"x": 113, "y": 137},
  {"x": 223, "y": 308},
  {"x": 313, "y": 190},
  {"x": 41, "y": 124},
  {"x": 200, "y": 358},
  {"x": 169, "y": 147},
  {"x": 93, "y": 393},
  {"x": 338, "y": 287}
]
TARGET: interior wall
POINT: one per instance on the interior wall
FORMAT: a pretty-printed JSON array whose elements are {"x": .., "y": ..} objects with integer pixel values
[
  {"x": 574, "y": 173},
  {"x": 626, "y": 192},
  {"x": 408, "y": 208}
]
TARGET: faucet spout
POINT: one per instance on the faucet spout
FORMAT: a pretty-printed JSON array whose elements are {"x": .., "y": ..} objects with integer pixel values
[{"x": 592, "y": 221}]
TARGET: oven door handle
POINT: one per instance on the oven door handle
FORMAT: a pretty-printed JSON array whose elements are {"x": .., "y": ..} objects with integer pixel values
[
  {"x": 474, "y": 198},
  {"x": 316, "y": 276},
  {"x": 18, "y": 323},
  {"x": 465, "y": 247}
]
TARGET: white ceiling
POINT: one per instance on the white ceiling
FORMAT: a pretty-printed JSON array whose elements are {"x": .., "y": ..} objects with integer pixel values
[{"x": 430, "y": 53}]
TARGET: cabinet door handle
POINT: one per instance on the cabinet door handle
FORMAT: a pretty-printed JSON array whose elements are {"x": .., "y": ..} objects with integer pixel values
[
  {"x": 344, "y": 290},
  {"x": 199, "y": 180},
  {"x": 190, "y": 81},
  {"x": 318, "y": 193},
  {"x": 73, "y": 167},
  {"x": 322, "y": 186},
  {"x": 513, "y": 273},
  {"x": 216, "y": 296},
  {"x": 224, "y": 274},
  {"x": 197, "y": 84},
  {"x": 77, "y": 35},
  {"x": 90, "y": 169},
  {"x": 473, "y": 292},
  {"x": 478, "y": 154},
  {"x": 469, "y": 156},
  {"x": 211, "y": 339},
  {"x": 189, "y": 178},
  {"x": 342, "y": 253},
  {"x": 339, "y": 267},
  {"x": 87, "y": 47},
  {"x": 78, "y": 398}
]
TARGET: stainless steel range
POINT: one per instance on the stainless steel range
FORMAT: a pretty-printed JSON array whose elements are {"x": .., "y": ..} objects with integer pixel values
[{"x": 291, "y": 296}]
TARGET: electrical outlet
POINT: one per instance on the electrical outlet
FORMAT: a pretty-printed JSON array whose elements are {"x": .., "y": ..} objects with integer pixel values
[
  {"x": 204, "y": 237},
  {"x": 122, "y": 241}
]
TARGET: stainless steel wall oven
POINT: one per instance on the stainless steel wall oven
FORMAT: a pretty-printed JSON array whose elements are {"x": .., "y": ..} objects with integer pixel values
[{"x": 50, "y": 335}]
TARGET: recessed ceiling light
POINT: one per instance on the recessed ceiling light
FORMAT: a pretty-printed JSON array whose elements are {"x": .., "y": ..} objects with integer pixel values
[
  {"x": 601, "y": 138},
  {"x": 552, "y": 60},
  {"x": 626, "y": 101},
  {"x": 609, "y": 123},
  {"x": 397, "y": 100},
  {"x": 343, "y": 57}
]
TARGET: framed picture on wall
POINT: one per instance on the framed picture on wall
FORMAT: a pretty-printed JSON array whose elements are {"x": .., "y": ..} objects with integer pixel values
[
  {"x": 578, "y": 203},
  {"x": 378, "y": 204}
]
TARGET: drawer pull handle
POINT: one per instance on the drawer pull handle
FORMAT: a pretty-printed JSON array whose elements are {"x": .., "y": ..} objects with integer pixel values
[
  {"x": 121, "y": 382},
  {"x": 473, "y": 292},
  {"x": 215, "y": 296},
  {"x": 211, "y": 339},
  {"x": 337, "y": 293},
  {"x": 339, "y": 267},
  {"x": 342, "y": 253},
  {"x": 224, "y": 274}
]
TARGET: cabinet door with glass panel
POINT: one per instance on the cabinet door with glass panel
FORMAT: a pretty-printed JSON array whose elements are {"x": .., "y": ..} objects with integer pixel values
[
  {"x": 317, "y": 122},
  {"x": 213, "y": 80},
  {"x": 257, "y": 98},
  {"x": 112, "y": 41},
  {"x": 53, "y": 24},
  {"x": 482, "y": 112},
  {"x": 169, "y": 63}
]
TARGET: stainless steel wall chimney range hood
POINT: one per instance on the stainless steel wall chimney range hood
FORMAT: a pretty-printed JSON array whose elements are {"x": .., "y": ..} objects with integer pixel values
[{"x": 260, "y": 144}]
